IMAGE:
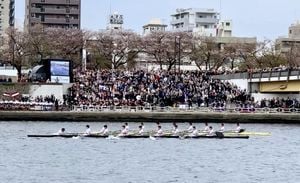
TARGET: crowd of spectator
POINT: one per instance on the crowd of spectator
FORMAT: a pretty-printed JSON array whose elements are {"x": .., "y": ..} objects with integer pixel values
[
  {"x": 154, "y": 88},
  {"x": 29, "y": 103},
  {"x": 150, "y": 88}
]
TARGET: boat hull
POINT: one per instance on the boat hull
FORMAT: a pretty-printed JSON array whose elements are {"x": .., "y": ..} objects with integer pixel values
[{"x": 142, "y": 136}]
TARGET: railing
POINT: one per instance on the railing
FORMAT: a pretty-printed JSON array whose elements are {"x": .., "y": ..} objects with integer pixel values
[{"x": 182, "y": 108}]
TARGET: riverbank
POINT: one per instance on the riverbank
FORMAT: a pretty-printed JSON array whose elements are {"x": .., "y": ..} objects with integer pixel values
[{"x": 150, "y": 117}]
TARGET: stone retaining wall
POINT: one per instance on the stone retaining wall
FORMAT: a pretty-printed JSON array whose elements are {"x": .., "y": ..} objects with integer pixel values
[{"x": 148, "y": 117}]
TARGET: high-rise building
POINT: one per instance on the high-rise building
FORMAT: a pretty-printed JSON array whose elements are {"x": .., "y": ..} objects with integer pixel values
[
  {"x": 200, "y": 21},
  {"x": 53, "y": 13},
  {"x": 7, "y": 15}
]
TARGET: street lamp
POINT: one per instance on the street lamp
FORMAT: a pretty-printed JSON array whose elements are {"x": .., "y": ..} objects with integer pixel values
[{"x": 178, "y": 47}]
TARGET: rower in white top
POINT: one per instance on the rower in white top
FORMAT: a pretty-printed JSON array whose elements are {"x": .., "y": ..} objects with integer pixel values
[
  {"x": 104, "y": 130},
  {"x": 141, "y": 130},
  {"x": 191, "y": 127},
  {"x": 211, "y": 131},
  {"x": 127, "y": 127},
  {"x": 61, "y": 131},
  {"x": 206, "y": 129},
  {"x": 194, "y": 132},
  {"x": 124, "y": 131},
  {"x": 238, "y": 128},
  {"x": 159, "y": 131},
  {"x": 88, "y": 130},
  {"x": 175, "y": 130},
  {"x": 222, "y": 129},
  {"x": 143, "y": 127}
]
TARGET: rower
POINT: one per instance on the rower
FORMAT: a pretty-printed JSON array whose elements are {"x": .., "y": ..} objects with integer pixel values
[
  {"x": 159, "y": 131},
  {"x": 175, "y": 130},
  {"x": 222, "y": 129},
  {"x": 127, "y": 126},
  {"x": 211, "y": 131},
  {"x": 194, "y": 132},
  {"x": 61, "y": 131},
  {"x": 191, "y": 127},
  {"x": 206, "y": 129},
  {"x": 174, "y": 125},
  {"x": 104, "y": 130},
  {"x": 238, "y": 128},
  {"x": 157, "y": 124},
  {"x": 88, "y": 130},
  {"x": 142, "y": 124},
  {"x": 141, "y": 130},
  {"x": 124, "y": 131}
]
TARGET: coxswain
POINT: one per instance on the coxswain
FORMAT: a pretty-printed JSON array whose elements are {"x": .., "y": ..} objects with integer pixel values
[
  {"x": 190, "y": 128},
  {"x": 104, "y": 130},
  {"x": 175, "y": 131},
  {"x": 141, "y": 130},
  {"x": 88, "y": 130},
  {"x": 159, "y": 131},
  {"x": 61, "y": 131},
  {"x": 206, "y": 128},
  {"x": 222, "y": 129},
  {"x": 211, "y": 131},
  {"x": 238, "y": 128}
]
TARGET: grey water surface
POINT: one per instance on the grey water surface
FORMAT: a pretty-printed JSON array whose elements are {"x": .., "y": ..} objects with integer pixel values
[{"x": 273, "y": 159}]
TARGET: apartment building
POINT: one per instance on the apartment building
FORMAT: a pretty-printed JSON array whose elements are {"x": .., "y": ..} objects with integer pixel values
[
  {"x": 53, "y": 13},
  {"x": 7, "y": 15},
  {"x": 286, "y": 44},
  {"x": 200, "y": 21}
]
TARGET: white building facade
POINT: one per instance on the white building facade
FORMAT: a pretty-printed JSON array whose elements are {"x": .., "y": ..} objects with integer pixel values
[
  {"x": 201, "y": 21},
  {"x": 154, "y": 25}
]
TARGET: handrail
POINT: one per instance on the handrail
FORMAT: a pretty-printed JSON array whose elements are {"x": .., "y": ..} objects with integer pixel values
[{"x": 92, "y": 108}]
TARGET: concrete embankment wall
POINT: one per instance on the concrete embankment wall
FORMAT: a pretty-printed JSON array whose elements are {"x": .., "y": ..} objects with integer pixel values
[{"x": 149, "y": 117}]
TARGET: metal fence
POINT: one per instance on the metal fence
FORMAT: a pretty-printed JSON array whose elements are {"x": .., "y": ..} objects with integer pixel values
[{"x": 182, "y": 108}]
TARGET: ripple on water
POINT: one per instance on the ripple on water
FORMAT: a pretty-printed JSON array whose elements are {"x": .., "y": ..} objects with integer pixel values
[{"x": 259, "y": 159}]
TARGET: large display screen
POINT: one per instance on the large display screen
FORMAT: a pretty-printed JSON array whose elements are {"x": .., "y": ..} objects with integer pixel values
[
  {"x": 60, "y": 68},
  {"x": 60, "y": 71}
]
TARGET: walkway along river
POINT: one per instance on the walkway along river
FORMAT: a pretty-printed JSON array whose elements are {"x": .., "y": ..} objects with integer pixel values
[{"x": 180, "y": 116}]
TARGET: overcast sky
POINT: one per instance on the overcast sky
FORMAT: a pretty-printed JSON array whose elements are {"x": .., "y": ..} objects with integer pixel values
[{"x": 261, "y": 18}]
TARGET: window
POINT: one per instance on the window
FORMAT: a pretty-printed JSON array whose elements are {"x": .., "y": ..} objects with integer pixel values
[{"x": 227, "y": 24}]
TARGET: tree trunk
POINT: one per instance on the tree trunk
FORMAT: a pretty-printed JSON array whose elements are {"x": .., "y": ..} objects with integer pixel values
[{"x": 19, "y": 71}]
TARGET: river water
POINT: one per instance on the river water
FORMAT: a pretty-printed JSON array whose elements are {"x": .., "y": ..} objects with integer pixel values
[{"x": 274, "y": 158}]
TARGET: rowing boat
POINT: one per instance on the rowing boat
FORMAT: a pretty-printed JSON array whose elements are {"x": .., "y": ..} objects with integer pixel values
[{"x": 134, "y": 136}]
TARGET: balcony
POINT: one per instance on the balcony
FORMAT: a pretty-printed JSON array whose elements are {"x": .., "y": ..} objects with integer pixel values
[
  {"x": 57, "y": 2},
  {"x": 54, "y": 11},
  {"x": 61, "y": 21},
  {"x": 206, "y": 20},
  {"x": 181, "y": 20}
]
